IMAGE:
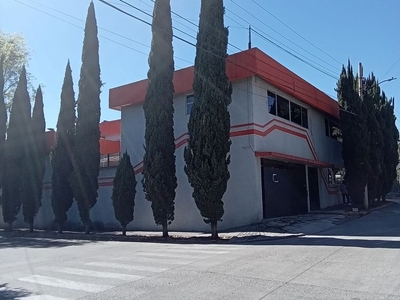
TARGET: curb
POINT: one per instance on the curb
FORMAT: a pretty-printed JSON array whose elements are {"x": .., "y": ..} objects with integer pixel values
[{"x": 261, "y": 238}]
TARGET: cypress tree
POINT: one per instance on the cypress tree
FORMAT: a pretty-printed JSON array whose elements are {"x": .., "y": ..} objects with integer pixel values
[
  {"x": 354, "y": 127},
  {"x": 61, "y": 193},
  {"x": 124, "y": 191},
  {"x": 207, "y": 154},
  {"x": 3, "y": 124},
  {"x": 159, "y": 179},
  {"x": 35, "y": 163},
  {"x": 16, "y": 149},
  {"x": 371, "y": 102},
  {"x": 86, "y": 163},
  {"x": 390, "y": 146}
]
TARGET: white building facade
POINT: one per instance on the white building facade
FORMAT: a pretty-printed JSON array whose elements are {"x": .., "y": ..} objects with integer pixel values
[{"x": 283, "y": 154}]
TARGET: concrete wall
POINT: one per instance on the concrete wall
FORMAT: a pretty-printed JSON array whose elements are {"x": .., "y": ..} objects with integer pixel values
[{"x": 102, "y": 212}]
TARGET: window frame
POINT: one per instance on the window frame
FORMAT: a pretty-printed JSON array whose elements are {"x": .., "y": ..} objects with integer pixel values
[{"x": 187, "y": 113}]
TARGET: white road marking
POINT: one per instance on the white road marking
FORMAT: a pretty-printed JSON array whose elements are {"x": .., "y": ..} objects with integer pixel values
[
  {"x": 66, "y": 284},
  {"x": 42, "y": 297},
  {"x": 188, "y": 251},
  {"x": 98, "y": 274},
  {"x": 127, "y": 267},
  {"x": 165, "y": 255},
  {"x": 158, "y": 260}
]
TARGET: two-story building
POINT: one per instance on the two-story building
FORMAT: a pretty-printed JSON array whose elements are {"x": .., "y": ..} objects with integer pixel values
[{"x": 282, "y": 153}]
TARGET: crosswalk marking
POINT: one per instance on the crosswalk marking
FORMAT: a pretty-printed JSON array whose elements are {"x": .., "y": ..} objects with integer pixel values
[
  {"x": 67, "y": 284},
  {"x": 166, "y": 255},
  {"x": 127, "y": 267},
  {"x": 42, "y": 297},
  {"x": 158, "y": 260},
  {"x": 210, "y": 252},
  {"x": 98, "y": 274}
]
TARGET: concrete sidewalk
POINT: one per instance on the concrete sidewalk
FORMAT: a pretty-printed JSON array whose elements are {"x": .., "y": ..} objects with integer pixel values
[{"x": 270, "y": 229}]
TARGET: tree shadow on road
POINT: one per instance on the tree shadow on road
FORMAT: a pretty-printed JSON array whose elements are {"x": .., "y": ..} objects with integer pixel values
[
  {"x": 335, "y": 241},
  {"x": 31, "y": 242},
  {"x": 7, "y": 293}
]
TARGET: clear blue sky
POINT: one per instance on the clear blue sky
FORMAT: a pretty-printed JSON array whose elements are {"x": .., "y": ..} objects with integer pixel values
[{"x": 364, "y": 31}]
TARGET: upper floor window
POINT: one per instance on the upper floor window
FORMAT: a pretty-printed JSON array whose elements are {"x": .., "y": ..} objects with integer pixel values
[
  {"x": 189, "y": 104},
  {"x": 332, "y": 129},
  {"x": 272, "y": 103},
  {"x": 281, "y": 107}
]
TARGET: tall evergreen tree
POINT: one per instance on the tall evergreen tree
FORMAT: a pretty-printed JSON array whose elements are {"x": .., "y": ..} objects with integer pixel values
[
  {"x": 207, "y": 154},
  {"x": 124, "y": 191},
  {"x": 16, "y": 149},
  {"x": 159, "y": 179},
  {"x": 35, "y": 164},
  {"x": 355, "y": 145},
  {"x": 61, "y": 161},
  {"x": 86, "y": 163},
  {"x": 372, "y": 102},
  {"x": 87, "y": 134},
  {"x": 390, "y": 146},
  {"x": 3, "y": 124}
]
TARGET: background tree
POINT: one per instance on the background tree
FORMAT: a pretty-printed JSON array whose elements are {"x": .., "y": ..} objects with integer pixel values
[
  {"x": 16, "y": 55},
  {"x": 86, "y": 165},
  {"x": 16, "y": 149},
  {"x": 3, "y": 124},
  {"x": 371, "y": 100},
  {"x": 124, "y": 191},
  {"x": 390, "y": 146},
  {"x": 159, "y": 179},
  {"x": 35, "y": 162},
  {"x": 207, "y": 154},
  {"x": 61, "y": 159},
  {"x": 354, "y": 128}
]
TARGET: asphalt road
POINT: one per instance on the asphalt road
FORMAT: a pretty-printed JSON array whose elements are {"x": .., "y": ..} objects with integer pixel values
[{"x": 355, "y": 260}]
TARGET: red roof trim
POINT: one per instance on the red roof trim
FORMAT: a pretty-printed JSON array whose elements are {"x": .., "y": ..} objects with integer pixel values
[{"x": 241, "y": 65}]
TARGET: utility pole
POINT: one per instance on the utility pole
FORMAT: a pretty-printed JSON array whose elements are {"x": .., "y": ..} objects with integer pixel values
[
  {"x": 249, "y": 36},
  {"x": 361, "y": 94}
]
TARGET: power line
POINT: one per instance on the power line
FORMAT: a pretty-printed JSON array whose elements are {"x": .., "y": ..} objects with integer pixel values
[
  {"x": 294, "y": 55},
  {"x": 391, "y": 68},
  {"x": 290, "y": 84},
  {"x": 150, "y": 15},
  {"x": 263, "y": 8},
  {"x": 102, "y": 36},
  {"x": 281, "y": 47},
  {"x": 265, "y": 24}
]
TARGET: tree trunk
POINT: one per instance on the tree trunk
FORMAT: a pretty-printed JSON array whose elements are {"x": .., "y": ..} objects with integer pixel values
[
  {"x": 31, "y": 226},
  {"x": 60, "y": 226},
  {"x": 165, "y": 229},
  {"x": 10, "y": 227},
  {"x": 214, "y": 231},
  {"x": 87, "y": 228},
  {"x": 124, "y": 230}
]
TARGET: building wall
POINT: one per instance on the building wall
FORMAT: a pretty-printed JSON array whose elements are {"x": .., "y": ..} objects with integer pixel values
[{"x": 242, "y": 205}]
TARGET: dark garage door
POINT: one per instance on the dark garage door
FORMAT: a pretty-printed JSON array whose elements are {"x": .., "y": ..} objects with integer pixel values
[{"x": 284, "y": 189}]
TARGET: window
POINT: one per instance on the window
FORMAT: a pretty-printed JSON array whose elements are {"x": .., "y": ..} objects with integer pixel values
[
  {"x": 295, "y": 113},
  {"x": 332, "y": 130},
  {"x": 109, "y": 160},
  {"x": 283, "y": 108},
  {"x": 189, "y": 104},
  {"x": 272, "y": 103},
  {"x": 277, "y": 105},
  {"x": 304, "y": 117}
]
